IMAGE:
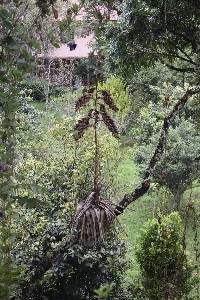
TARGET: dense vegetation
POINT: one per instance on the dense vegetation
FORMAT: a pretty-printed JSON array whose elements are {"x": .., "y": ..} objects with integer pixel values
[{"x": 99, "y": 183}]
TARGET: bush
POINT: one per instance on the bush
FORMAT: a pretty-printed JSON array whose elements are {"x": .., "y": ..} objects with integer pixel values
[
  {"x": 166, "y": 274},
  {"x": 35, "y": 88},
  {"x": 55, "y": 268},
  {"x": 50, "y": 180}
]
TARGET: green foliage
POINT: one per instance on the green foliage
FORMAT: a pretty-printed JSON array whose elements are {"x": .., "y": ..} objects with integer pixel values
[
  {"x": 35, "y": 88},
  {"x": 147, "y": 31},
  {"x": 52, "y": 172},
  {"x": 163, "y": 262},
  {"x": 9, "y": 272},
  {"x": 104, "y": 291},
  {"x": 57, "y": 269},
  {"x": 142, "y": 87},
  {"x": 120, "y": 96},
  {"x": 19, "y": 40},
  {"x": 45, "y": 6},
  {"x": 43, "y": 171},
  {"x": 16, "y": 62},
  {"x": 179, "y": 166},
  {"x": 51, "y": 165}
]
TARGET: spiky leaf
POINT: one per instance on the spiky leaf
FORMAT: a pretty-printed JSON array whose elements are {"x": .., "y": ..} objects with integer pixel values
[
  {"x": 81, "y": 127},
  {"x": 109, "y": 101},
  {"x": 108, "y": 121},
  {"x": 82, "y": 101}
]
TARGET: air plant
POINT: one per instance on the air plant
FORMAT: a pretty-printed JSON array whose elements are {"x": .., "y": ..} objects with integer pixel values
[{"x": 94, "y": 215}]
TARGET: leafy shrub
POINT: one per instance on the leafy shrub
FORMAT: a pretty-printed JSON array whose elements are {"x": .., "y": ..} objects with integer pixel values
[
  {"x": 104, "y": 291},
  {"x": 57, "y": 268},
  {"x": 166, "y": 273},
  {"x": 35, "y": 88},
  {"x": 9, "y": 272},
  {"x": 179, "y": 166},
  {"x": 52, "y": 173}
]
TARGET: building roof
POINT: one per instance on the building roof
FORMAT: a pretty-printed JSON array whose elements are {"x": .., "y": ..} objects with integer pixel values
[
  {"x": 82, "y": 50},
  {"x": 83, "y": 44}
]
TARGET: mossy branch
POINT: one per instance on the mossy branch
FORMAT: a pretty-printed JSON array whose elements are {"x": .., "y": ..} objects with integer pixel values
[{"x": 157, "y": 155}]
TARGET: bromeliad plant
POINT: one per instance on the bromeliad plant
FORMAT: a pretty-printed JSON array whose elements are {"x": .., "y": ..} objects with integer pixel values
[{"x": 94, "y": 215}]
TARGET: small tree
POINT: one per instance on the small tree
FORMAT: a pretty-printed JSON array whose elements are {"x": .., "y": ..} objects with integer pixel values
[
  {"x": 180, "y": 164},
  {"x": 166, "y": 273}
]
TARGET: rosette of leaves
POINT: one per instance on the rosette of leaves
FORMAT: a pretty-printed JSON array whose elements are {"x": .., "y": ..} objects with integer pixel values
[{"x": 94, "y": 215}]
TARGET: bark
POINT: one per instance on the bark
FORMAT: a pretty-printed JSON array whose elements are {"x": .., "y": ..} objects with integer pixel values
[
  {"x": 178, "y": 199},
  {"x": 183, "y": 70},
  {"x": 157, "y": 155}
]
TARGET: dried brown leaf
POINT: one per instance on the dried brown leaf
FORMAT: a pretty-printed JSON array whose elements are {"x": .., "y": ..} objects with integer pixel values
[
  {"x": 81, "y": 127},
  {"x": 108, "y": 121},
  {"x": 82, "y": 101},
  {"x": 94, "y": 218},
  {"x": 109, "y": 101},
  {"x": 55, "y": 12}
]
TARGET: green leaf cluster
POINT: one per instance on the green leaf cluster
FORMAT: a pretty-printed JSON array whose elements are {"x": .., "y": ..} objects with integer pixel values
[{"x": 161, "y": 255}]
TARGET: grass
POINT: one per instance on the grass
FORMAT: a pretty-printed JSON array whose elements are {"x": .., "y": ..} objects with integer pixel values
[
  {"x": 145, "y": 208},
  {"x": 136, "y": 214}
]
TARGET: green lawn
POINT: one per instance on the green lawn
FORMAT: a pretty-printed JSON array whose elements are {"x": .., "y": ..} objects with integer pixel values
[{"x": 143, "y": 209}]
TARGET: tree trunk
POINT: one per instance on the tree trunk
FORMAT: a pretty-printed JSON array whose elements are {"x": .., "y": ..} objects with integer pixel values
[{"x": 178, "y": 197}]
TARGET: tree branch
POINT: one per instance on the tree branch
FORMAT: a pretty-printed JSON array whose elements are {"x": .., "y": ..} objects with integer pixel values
[
  {"x": 188, "y": 56},
  {"x": 167, "y": 55},
  {"x": 184, "y": 59},
  {"x": 186, "y": 37},
  {"x": 188, "y": 70},
  {"x": 157, "y": 155}
]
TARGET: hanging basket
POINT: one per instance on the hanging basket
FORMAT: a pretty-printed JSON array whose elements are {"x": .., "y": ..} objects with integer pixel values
[{"x": 92, "y": 218}]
